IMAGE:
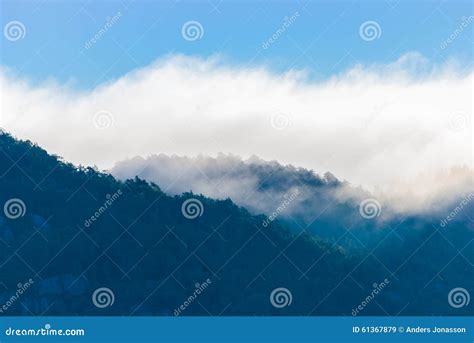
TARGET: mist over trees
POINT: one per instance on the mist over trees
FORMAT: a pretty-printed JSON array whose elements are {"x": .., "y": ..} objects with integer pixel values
[{"x": 139, "y": 244}]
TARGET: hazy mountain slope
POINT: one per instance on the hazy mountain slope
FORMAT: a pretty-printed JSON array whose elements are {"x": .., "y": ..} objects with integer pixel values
[
  {"x": 323, "y": 205},
  {"x": 152, "y": 257},
  {"x": 256, "y": 184},
  {"x": 425, "y": 249},
  {"x": 295, "y": 195},
  {"x": 144, "y": 249}
]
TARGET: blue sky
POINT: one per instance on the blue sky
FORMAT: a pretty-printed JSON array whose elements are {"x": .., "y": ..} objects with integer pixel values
[
  {"x": 324, "y": 38},
  {"x": 404, "y": 124}
]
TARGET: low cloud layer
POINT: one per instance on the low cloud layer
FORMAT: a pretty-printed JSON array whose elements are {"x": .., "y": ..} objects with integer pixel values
[
  {"x": 383, "y": 127},
  {"x": 257, "y": 185},
  {"x": 264, "y": 186}
]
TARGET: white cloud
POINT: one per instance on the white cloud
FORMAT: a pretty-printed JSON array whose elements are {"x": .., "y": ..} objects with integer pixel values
[{"x": 377, "y": 126}]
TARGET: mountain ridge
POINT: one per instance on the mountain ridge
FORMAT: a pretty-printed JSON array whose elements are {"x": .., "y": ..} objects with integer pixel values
[{"x": 151, "y": 256}]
